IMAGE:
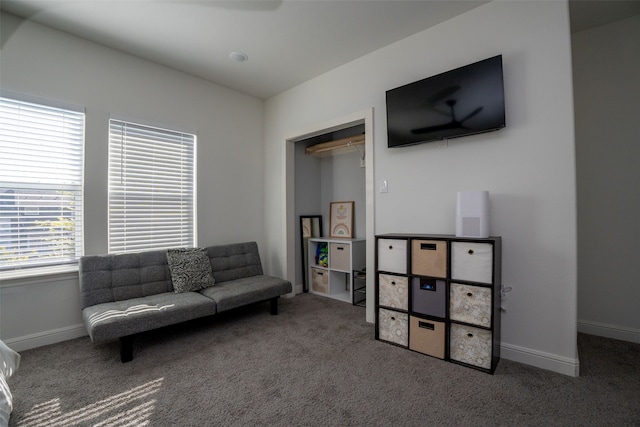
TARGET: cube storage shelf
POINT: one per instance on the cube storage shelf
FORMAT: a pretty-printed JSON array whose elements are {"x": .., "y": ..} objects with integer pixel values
[
  {"x": 440, "y": 295},
  {"x": 332, "y": 264}
]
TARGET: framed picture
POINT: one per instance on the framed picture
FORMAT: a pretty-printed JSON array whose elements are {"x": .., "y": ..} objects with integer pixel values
[{"x": 341, "y": 219}]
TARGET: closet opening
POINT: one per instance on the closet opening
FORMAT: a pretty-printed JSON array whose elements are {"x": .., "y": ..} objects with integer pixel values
[{"x": 328, "y": 163}]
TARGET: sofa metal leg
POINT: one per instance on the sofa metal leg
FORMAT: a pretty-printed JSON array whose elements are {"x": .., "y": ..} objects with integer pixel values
[
  {"x": 274, "y": 306},
  {"x": 126, "y": 349}
]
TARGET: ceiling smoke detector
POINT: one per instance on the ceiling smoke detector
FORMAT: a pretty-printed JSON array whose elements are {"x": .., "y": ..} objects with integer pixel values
[{"x": 238, "y": 56}]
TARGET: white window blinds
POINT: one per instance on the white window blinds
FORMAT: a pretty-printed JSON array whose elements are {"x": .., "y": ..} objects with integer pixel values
[
  {"x": 41, "y": 172},
  {"x": 151, "y": 188}
]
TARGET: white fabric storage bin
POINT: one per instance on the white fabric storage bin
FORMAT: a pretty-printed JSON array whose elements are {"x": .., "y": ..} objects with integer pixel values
[
  {"x": 392, "y": 255},
  {"x": 393, "y": 326},
  {"x": 472, "y": 261},
  {"x": 470, "y": 304},
  {"x": 394, "y": 291}
]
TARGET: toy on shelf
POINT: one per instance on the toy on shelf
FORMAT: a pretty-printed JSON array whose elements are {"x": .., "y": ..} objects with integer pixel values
[{"x": 322, "y": 255}]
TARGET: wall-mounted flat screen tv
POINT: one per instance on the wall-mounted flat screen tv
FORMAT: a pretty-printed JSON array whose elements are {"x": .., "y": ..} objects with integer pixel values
[{"x": 464, "y": 101}]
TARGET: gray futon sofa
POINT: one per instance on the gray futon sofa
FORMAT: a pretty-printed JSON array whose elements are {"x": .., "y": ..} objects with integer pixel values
[{"x": 126, "y": 294}]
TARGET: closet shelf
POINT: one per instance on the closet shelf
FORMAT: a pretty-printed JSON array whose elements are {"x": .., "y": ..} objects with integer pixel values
[{"x": 324, "y": 148}]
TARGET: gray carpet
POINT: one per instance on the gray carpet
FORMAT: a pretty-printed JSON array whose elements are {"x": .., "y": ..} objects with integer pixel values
[{"x": 315, "y": 364}]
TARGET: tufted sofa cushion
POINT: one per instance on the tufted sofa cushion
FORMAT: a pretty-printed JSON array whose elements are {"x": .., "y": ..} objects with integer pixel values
[
  {"x": 236, "y": 261},
  {"x": 109, "y": 278},
  {"x": 116, "y": 319}
]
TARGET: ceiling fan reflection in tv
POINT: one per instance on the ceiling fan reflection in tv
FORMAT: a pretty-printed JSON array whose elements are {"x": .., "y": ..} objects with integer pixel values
[{"x": 460, "y": 102}]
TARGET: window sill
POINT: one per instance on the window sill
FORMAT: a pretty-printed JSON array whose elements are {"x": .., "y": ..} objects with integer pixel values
[{"x": 25, "y": 277}]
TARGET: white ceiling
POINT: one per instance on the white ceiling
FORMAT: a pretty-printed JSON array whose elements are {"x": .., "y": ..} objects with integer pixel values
[{"x": 287, "y": 41}]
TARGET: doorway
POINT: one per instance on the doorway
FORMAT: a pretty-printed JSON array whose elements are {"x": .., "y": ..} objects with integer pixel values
[{"x": 364, "y": 118}]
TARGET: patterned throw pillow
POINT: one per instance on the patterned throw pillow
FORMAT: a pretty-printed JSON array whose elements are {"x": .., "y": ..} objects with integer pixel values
[{"x": 190, "y": 269}]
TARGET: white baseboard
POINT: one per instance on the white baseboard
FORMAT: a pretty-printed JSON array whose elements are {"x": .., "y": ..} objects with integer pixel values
[
  {"x": 299, "y": 289},
  {"x": 40, "y": 339},
  {"x": 540, "y": 359},
  {"x": 609, "y": 331}
]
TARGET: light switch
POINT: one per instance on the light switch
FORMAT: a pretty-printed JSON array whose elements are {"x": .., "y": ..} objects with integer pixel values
[{"x": 384, "y": 188}]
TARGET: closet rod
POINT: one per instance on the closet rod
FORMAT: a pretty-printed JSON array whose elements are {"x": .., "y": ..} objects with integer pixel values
[{"x": 336, "y": 144}]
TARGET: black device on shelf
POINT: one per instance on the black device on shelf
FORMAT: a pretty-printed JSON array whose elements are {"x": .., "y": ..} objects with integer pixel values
[{"x": 464, "y": 101}]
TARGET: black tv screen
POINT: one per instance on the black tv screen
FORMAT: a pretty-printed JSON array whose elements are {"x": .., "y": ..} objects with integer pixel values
[{"x": 464, "y": 101}]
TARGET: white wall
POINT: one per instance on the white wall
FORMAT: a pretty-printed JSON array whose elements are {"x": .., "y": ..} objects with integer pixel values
[
  {"x": 307, "y": 193},
  {"x": 343, "y": 180},
  {"x": 42, "y": 62},
  {"x": 528, "y": 167},
  {"x": 607, "y": 103}
]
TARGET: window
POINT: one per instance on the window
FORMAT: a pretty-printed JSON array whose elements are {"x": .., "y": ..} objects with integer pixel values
[
  {"x": 151, "y": 188},
  {"x": 41, "y": 172}
]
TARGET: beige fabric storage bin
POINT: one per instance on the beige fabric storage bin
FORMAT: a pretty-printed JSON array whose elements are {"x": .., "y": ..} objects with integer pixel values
[
  {"x": 393, "y": 326},
  {"x": 339, "y": 256},
  {"x": 429, "y": 258},
  {"x": 472, "y": 261},
  {"x": 470, "y": 304},
  {"x": 392, "y": 255},
  {"x": 393, "y": 291},
  {"x": 319, "y": 281},
  {"x": 427, "y": 336},
  {"x": 470, "y": 345}
]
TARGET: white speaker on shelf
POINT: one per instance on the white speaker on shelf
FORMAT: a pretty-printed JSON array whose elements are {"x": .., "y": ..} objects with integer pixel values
[{"x": 472, "y": 214}]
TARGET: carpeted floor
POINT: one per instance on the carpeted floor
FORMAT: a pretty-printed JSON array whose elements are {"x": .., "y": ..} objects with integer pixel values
[{"x": 314, "y": 364}]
